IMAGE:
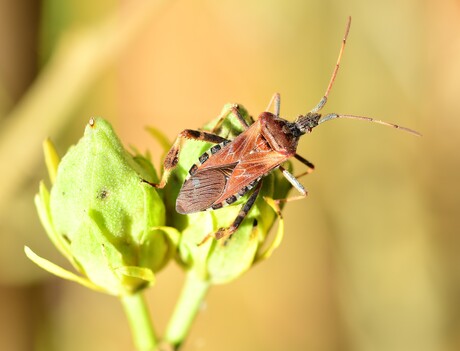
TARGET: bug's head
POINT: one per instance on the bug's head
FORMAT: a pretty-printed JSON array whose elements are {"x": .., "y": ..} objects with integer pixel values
[{"x": 305, "y": 124}]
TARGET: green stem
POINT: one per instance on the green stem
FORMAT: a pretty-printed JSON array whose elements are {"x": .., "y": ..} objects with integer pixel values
[
  {"x": 139, "y": 320},
  {"x": 190, "y": 300}
]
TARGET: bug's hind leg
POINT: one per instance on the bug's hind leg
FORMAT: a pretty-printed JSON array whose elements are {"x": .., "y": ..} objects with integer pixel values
[
  {"x": 227, "y": 232},
  {"x": 172, "y": 157}
]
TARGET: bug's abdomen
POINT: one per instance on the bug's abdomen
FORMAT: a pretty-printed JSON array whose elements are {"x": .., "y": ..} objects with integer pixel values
[{"x": 202, "y": 189}]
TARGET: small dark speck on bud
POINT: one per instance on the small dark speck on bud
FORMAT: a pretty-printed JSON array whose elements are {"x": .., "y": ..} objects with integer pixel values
[
  {"x": 66, "y": 238},
  {"x": 91, "y": 122},
  {"x": 102, "y": 194}
]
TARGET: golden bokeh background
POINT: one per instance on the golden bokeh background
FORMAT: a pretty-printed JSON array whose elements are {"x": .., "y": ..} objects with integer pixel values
[{"x": 370, "y": 260}]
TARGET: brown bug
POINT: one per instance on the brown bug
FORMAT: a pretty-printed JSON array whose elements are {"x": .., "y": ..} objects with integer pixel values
[{"x": 232, "y": 168}]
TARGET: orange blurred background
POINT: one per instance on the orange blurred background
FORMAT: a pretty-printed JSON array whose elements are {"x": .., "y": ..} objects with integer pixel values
[{"x": 370, "y": 260}]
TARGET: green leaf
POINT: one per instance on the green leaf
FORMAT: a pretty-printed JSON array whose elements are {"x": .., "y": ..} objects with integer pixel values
[
  {"x": 276, "y": 242},
  {"x": 51, "y": 159},
  {"x": 59, "y": 271},
  {"x": 160, "y": 137},
  {"x": 137, "y": 272},
  {"x": 42, "y": 204}
]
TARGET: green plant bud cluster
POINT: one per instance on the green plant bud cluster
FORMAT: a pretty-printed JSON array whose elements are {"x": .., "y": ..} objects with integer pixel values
[{"x": 117, "y": 230}]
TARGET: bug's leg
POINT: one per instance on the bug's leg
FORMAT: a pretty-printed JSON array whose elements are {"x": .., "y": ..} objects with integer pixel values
[
  {"x": 276, "y": 101},
  {"x": 295, "y": 183},
  {"x": 311, "y": 166},
  {"x": 172, "y": 157},
  {"x": 323, "y": 100},
  {"x": 232, "y": 110},
  {"x": 227, "y": 232}
]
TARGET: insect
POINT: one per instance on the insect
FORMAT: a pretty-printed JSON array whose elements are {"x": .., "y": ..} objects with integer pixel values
[{"x": 232, "y": 168}]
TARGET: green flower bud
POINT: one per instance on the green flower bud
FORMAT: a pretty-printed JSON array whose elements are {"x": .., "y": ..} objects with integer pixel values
[
  {"x": 220, "y": 261},
  {"x": 102, "y": 216}
]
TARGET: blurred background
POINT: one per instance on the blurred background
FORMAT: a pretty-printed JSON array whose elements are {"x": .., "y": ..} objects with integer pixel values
[{"x": 370, "y": 259}]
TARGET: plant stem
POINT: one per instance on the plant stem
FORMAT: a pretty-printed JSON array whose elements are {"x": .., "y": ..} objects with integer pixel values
[
  {"x": 190, "y": 300},
  {"x": 139, "y": 321}
]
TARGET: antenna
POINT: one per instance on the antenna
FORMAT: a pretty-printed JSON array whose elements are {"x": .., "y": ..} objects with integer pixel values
[
  {"x": 367, "y": 119},
  {"x": 323, "y": 100}
]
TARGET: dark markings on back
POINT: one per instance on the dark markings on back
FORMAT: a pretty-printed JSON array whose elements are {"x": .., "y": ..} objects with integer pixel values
[
  {"x": 243, "y": 191},
  {"x": 215, "y": 148},
  {"x": 217, "y": 206},
  {"x": 203, "y": 158},
  {"x": 193, "y": 170},
  {"x": 231, "y": 199}
]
